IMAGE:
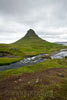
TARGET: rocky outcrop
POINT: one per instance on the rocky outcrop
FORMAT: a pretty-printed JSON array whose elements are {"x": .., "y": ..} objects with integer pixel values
[{"x": 4, "y": 53}]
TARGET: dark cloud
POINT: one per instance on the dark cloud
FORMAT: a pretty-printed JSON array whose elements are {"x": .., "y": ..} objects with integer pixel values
[{"x": 47, "y": 17}]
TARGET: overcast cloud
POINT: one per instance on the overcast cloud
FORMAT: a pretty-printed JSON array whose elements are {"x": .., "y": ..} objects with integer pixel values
[{"x": 47, "y": 17}]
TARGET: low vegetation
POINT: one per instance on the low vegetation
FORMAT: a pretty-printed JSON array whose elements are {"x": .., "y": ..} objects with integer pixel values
[
  {"x": 43, "y": 81},
  {"x": 55, "y": 63},
  {"x": 7, "y": 61},
  {"x": 49, "y": 84}
]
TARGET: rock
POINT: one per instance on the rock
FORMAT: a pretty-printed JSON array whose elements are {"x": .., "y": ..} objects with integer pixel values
[
  {"x": 29, "y": 82},
  {"x": 16, "y": 49},
  {"x": 60, "y": 75},
  {"x": 45, "y": 57},
  {"x": 65, "y": 57},
  {"x": 4, "y": 53},
  {"x": 37, "y": 80},
  {"x": 15, "y": 81},
  {"x": 20, "y": 80}
]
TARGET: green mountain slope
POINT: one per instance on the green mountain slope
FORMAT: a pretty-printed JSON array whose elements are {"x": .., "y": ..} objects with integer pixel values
[
  {"x": 31, "y": 36},
  {"x": 32, "y": 44}
]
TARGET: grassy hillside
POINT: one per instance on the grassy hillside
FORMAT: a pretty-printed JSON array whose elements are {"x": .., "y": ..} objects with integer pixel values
[{"x": 29, "y": 45}]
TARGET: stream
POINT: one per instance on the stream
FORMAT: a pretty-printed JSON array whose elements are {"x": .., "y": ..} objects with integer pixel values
[{"x": 34, "y": 60}]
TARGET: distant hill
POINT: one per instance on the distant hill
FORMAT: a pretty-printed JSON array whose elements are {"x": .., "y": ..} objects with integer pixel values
[{"x": 63, "y": 43}]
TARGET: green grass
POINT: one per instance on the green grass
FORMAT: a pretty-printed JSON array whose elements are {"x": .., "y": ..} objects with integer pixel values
[
  {"x": 62, "y": 63},
  {"x": 6, "y": 60},
  {"x": 30, "y": 45}
]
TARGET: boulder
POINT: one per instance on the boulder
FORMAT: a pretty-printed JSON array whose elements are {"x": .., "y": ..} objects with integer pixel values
[
  {"x": 65, "y": 57},
  {"x": 45, "y": 57},
  {"x": 4, "y": 53},
  {"x": 15, "y": 49},
  {"x": 60, "y": 75}
]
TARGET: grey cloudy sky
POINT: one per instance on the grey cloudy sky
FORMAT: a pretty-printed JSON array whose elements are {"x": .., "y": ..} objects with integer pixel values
[{"x": 47, "y": 17}]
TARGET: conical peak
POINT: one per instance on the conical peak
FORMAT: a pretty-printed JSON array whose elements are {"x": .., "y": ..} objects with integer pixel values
[
  {"x": 31, "y": 36},
  {"x": 30, "y": 33}
]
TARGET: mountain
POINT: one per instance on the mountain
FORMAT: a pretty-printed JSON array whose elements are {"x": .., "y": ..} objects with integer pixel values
[
  {"x": 32, "y": 44},
  {"x": 63, "y": 43},
  {"x": 30, "y": 36}
]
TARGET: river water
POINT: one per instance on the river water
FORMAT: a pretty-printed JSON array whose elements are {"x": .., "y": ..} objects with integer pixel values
[
  {"x": 59, "y": 55},
  {"x": 34, "y": 60}
]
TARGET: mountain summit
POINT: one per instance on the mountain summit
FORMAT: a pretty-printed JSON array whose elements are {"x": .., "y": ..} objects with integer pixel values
[{"x": 31, "y": 34}]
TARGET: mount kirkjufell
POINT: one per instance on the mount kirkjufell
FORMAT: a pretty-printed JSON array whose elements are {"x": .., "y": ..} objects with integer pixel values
[
  {"x": 31, "y": 36},
  {"x": 31, "y": 33},
  {"x": 32, "y": 44}
]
